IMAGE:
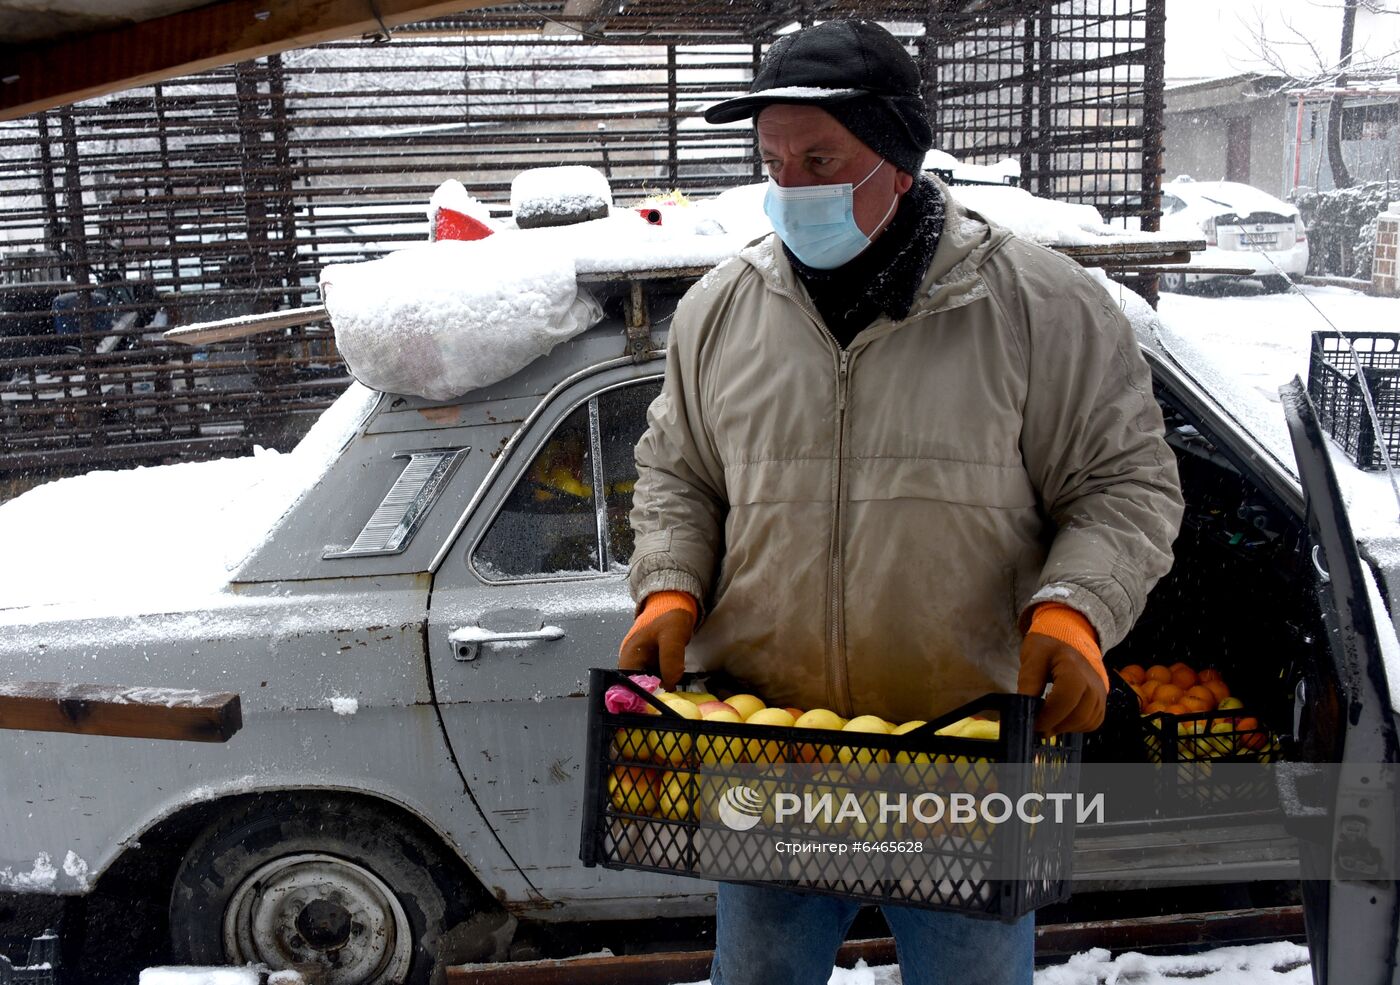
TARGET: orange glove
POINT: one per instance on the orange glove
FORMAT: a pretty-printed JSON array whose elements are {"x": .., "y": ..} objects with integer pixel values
[
  {"x": 1061, "y": 647},
  {"x": 658, "y": 637}
]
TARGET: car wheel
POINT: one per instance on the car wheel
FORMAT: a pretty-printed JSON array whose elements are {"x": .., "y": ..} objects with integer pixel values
[
  {"x": 1173, "y": 282},
  {"x": 1275, "y": 284},
  {"x": 328, "y": 884}
]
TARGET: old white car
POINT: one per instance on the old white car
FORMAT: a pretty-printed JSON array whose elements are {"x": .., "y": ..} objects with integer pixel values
[{"x": 1245, "y": 229}]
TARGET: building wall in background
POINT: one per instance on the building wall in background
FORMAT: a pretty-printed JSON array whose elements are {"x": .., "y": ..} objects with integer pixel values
[{"x": 1227, "y": 130}]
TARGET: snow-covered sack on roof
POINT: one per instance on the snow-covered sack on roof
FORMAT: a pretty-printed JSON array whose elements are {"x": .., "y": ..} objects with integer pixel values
[
  {"x": 444, "y": 318},
  {"x": 558, "y": 195}
]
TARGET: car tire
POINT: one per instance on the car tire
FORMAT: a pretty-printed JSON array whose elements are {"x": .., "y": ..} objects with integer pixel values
[
  {"x": 1275, "y": 284},
  {"x": 330, "y": 882},
  {"x": 1172, "y": 282}
]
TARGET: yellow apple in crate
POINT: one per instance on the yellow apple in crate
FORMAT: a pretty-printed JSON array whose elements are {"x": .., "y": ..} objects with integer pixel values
[
  {"x": 670, "y": 747},
  {"x": 677, "y": 796},
  {"x": 632, "y": 790},
  {"x": 819, "y": 718},
  {"x": 767, "y": 750},
  {"x": 871, "y": 725},
  {"x": 910, "y": 757},
  {"x": 745, "y": 704}
]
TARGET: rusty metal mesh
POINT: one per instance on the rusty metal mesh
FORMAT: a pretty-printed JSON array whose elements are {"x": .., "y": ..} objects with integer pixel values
[{"x": 225, "y": 193}]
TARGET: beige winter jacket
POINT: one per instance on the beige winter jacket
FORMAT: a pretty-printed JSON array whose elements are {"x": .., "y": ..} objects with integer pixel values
[{"x": 866, "y": 529}]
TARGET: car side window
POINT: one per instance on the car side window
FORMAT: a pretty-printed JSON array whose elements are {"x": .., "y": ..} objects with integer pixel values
[
  {"x": 1171, "y": 204},
  {"x": 622, "y": 419},
  {"x": 550, "y": 524}
]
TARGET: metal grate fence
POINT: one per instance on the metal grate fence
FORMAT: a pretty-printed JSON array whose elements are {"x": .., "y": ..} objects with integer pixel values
[{"x": 225, "y": 193}]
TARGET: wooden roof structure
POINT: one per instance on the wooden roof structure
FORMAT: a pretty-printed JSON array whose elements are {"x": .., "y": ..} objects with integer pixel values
[{"x": 81, "y": 49}]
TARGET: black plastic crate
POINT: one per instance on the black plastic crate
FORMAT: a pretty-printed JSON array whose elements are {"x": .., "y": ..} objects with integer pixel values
[
  {"x": 40, "y": 969},
  {"x": 657, "y": 788},
  {"x": 1206, "y": 747},
  {"x": 1334, "y": 384}
]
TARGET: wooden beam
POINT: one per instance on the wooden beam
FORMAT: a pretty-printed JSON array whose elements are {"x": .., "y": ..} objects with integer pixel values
[
  {"x": 34, "y": 78},
  {"x": 243, "y": 326},
  {"x": 128, "y": 712},
  {"x": 1130, "y": 250},
  {"x": 1131, "y": 268},
  {"x": 1141, "y": 933}
]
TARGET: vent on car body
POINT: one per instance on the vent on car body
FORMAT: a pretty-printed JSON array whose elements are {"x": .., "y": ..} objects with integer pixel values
[{"x": 397, "y": 518}]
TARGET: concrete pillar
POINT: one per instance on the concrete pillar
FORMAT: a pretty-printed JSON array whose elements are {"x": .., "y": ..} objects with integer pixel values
[{"x": 1385, "y": 268}]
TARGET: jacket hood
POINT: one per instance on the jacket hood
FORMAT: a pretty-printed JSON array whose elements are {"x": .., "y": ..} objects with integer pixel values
[{"x": 953, "y": 278}]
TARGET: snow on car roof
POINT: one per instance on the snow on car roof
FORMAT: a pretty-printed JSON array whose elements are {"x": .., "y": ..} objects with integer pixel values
[
  {"x": 707, "y": 231},
  {"x": 147, "y": 540},
  {"x": 1229, "y": 195}
]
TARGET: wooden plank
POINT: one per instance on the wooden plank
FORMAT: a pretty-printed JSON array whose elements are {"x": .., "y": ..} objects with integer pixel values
[
  {"x": 39, "y": 77},
  {"x": 1180, "y": 269},
  {"x": 1353, "y": 283},
  {"x": 1130, "y": 250},
  {"x": 656, "y": 273},
  {"x": 243, "y": 326},
  {"x": 127, "y": 712},
  {"x": 1143, "y": 933},
  {"x": 1154, "y": 933}
]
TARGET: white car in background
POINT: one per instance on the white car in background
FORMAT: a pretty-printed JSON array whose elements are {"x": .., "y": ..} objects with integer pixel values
[{"x": 1244, "y": 228}]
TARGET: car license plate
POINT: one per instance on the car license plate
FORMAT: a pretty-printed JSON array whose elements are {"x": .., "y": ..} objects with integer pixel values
[{"x": 1257, "y": 239}]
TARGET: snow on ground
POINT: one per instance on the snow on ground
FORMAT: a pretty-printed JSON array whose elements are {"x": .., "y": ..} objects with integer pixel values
[
  {"x": 1278, "y": 963},
  {"x": 165, "y": 534},
  {"x": 189, "y": 975}
]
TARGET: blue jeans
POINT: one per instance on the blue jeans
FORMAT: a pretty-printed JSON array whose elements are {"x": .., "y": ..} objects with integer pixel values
[{"x": 770, "y": 936}]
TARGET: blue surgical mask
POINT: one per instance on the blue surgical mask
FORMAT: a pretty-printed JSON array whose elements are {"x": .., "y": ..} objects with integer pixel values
[{"x": 818, "y": 222}]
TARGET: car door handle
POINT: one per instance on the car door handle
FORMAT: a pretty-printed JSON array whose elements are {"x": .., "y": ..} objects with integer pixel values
[{"x": 467, "y": 640}]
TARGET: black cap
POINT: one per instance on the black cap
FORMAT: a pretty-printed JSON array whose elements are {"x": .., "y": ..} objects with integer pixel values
[{"x": 855, "y": 70}]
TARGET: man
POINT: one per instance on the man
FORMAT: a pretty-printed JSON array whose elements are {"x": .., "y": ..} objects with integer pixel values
[{"x": 900, "y": 459}]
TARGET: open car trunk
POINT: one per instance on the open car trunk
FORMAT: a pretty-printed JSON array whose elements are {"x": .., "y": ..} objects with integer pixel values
[
  {"x": 1268, "y": 588},
  {"x": 1240, "y": 599}
]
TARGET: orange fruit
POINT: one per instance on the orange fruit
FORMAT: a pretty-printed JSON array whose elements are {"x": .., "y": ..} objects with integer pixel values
[
  {"x": 1256, "y": 741},
  {"x": 1183, "y": 677},
  {"x": 1178, "y": 709},
  {"x": 1154, "y": 708},
  {"x": 1203, "y": 693},
  {"x": 1208, "y": 675},
  {"x": 1148, "y": 688},
  {"x": 1195, "y": 703},
  {"x": 1159, "y": 673},
  {"x": 1218, "y": 689},
  {"x": 1133, "y": 674},
  {"x": 1249, "y": 724},
  {"x": 1168, "y": 694}
]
